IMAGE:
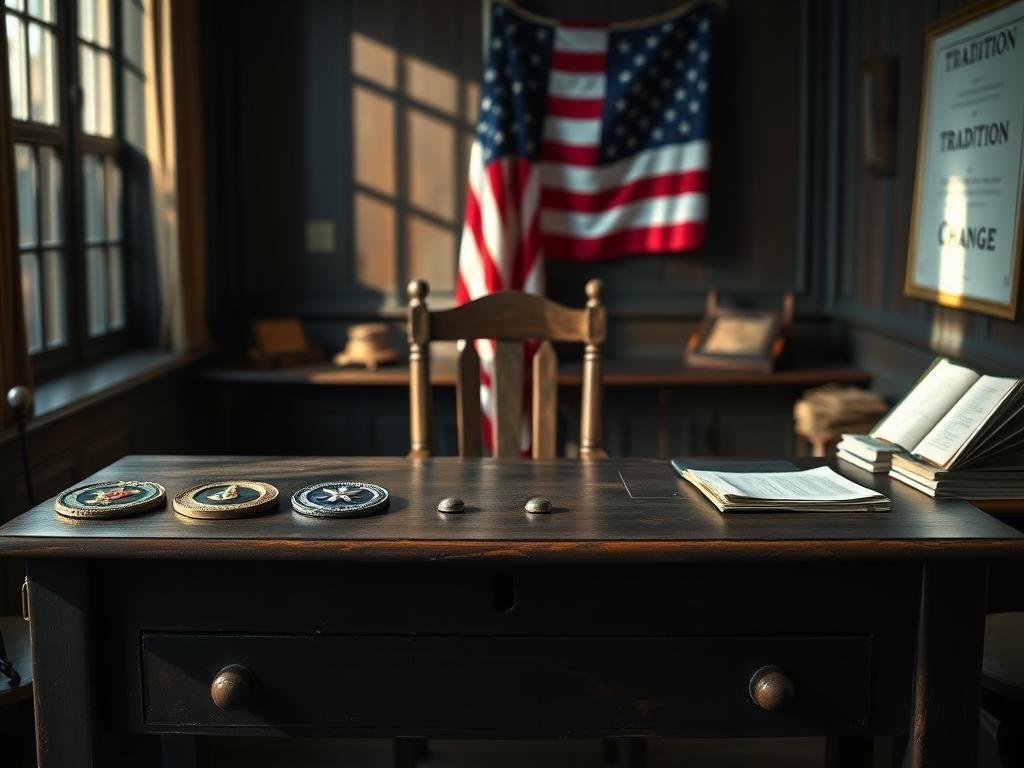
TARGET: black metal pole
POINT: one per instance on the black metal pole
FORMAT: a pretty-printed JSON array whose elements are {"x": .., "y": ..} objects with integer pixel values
[{"x": 20, "y": 400}]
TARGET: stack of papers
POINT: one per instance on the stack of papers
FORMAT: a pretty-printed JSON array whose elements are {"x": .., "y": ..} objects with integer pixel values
[
  {"x": 831, "y": 409},
  {"x": 812, "y": 490},
  {"x": 867, "y": 452}
]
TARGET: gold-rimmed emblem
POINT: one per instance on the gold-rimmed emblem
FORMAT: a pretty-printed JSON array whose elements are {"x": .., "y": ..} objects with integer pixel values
[
  {"x": 110, "y": 500},
  {"x": 226, "y": 500}
]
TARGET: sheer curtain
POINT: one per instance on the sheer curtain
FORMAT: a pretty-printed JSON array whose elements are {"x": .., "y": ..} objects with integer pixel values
[
  {"x": 174, "y": 150},
  {"x": 14, "y": 361}
]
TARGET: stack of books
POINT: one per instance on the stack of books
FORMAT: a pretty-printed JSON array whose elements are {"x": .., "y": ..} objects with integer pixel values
[
  {"x": 832, "y": 409},
  {"x": 867, "y": 452},
  {"x": 963, "y": 433}
]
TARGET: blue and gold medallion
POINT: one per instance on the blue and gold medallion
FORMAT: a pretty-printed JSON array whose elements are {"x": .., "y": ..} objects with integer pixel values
[
  {"x": 226, "y": 500},
  {"x": 341, "y": 499},
  {"x": 109, "y": 500}
]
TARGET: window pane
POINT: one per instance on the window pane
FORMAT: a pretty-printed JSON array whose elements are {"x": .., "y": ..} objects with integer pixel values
[
  {"x": 92, "y": 186},
  {"x": 41, "y": 9},
  {"x": 18, "y": 65},
  {"x": 42, "y": 51},
  {"x": 94, "y": 21},
  {"x": 134, "y": 109},
  {"x": 96, "y": 288},
  {"x": 52, "y": 180},
  {"x": 113, "y": 200},
  {"x": 132, "y": 33},
  {"x": 28, "y": 182},
  {"x": 30, "y": 301},
  {"x": 97, "y": 92},
  {"x": 56, "y": 319},
  {"x": 115, "y": 287},
  {"x": 15, "y": 4}
]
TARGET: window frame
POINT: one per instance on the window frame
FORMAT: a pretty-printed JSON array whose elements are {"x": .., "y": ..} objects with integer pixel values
[{"x": 73, "y": 144}]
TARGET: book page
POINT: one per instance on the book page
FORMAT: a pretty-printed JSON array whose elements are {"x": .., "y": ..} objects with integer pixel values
[
  {"x": 923, "y": 407},
  {"x": 819, "y": 484},
  {"x": 944, "y": 443}
]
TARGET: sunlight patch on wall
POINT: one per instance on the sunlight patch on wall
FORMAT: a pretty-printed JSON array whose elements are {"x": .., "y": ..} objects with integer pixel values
[
  {"x": 374, "y": 61},
  {"x": 373, "y": 124},
  {"x": 431, "y": 164},
  {"x": 947, "y": 333},
  {"x": 952, "y": 255},
  {"x": 430, "y": 249},
  {"x": 431, "y": 85},
  {"x": 375, "y": 243}
]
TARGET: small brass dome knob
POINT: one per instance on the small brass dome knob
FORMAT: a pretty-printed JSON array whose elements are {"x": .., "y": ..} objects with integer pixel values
[
  {"x": 451, "y": 505},
  {"x": 232, "y": 688},
  {"x": 538, "y": 505},
  {"x": 771, "y": 689}
]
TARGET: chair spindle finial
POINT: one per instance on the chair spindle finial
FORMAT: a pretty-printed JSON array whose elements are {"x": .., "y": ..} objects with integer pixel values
[
  {"x": 594, "y": 290},
  {"x": 418, "y": 290}
]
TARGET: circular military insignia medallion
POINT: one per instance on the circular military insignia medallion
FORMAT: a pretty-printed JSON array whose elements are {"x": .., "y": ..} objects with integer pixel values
[
  {"x": 226, "y": 500},
  {"x": 340, "y": 499},
  {"x": 105, "y": 501}
]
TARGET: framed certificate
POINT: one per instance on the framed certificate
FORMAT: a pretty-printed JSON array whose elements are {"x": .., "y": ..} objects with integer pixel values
[{"x": 965, "y": 236}]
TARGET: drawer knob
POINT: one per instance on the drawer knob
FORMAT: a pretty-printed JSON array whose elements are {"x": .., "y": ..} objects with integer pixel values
[
  {"x": 232, "y": 688},
  {"x": 771, "y": 689}
]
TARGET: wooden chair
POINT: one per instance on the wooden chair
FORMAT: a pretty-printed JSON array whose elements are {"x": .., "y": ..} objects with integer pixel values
[{"x": 510, "y": 318}]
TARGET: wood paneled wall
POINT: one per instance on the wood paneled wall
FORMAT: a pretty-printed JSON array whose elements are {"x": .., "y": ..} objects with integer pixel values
[
  {"x": 360, "y": 115},
  {"x": 893, "y": 336}
]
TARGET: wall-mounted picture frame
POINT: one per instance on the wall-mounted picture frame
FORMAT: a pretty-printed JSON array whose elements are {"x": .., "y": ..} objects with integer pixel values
[
  {"x": 736, "y": 339},
  {"x": 965, "y": 233},
  {"x": 878, "y": 80}
]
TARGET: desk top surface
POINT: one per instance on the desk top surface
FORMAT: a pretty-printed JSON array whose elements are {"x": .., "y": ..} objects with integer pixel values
[{"x": 619, "y": 509}]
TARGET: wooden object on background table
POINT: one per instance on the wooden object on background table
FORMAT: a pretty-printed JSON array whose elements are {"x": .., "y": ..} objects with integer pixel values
[
  {"x": 282, "y": 343},
  {"x": 367, "y": 346},
  {"x": 510, "y": 318},
  {"x": 733, "y": 339},
  {"x": 824, "y": 413},
  {"x": 564, "y": 620}
]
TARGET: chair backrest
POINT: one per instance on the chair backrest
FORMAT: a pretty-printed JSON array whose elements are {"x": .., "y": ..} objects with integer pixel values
[{"x": 509, "y": 318}]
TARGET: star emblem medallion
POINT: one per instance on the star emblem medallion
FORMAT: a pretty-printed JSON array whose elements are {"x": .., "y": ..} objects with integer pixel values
[{"x": 341, "y": 499}]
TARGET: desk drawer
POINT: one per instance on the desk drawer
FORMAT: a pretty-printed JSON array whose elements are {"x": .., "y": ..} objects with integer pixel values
[{"x": 493, "y": 685}]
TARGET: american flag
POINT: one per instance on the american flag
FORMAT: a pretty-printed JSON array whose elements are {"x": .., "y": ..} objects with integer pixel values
[{"x": 591, "y": 143}]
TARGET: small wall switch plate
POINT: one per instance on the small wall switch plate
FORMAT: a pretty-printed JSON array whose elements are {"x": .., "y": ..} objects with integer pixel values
[{"x": 320, "y": 236}]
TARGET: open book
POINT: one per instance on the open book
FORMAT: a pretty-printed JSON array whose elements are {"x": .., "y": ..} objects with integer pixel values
[{"x": 955, "y": 418}]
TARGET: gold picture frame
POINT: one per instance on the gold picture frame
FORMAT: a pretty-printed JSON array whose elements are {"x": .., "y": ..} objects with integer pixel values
[{"x": 1002, "y": 309}]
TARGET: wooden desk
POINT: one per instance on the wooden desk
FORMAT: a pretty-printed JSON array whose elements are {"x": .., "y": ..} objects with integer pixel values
[
  {"x": 634, "y": 609},
  {"x": 651, "y": 408}
]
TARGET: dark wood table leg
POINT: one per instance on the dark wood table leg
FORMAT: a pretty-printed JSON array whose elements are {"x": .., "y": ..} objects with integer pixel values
[
  {"x": 58, "y": 597},
  {"x": 849, "y": 750},
  {"x": 406, "y": 752},
  {"x": 947, "y": 680},
  {"x": 180, "y": 751}
]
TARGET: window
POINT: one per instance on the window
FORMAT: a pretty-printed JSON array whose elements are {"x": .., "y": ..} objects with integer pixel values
[{"x": 64, "y": 57}]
